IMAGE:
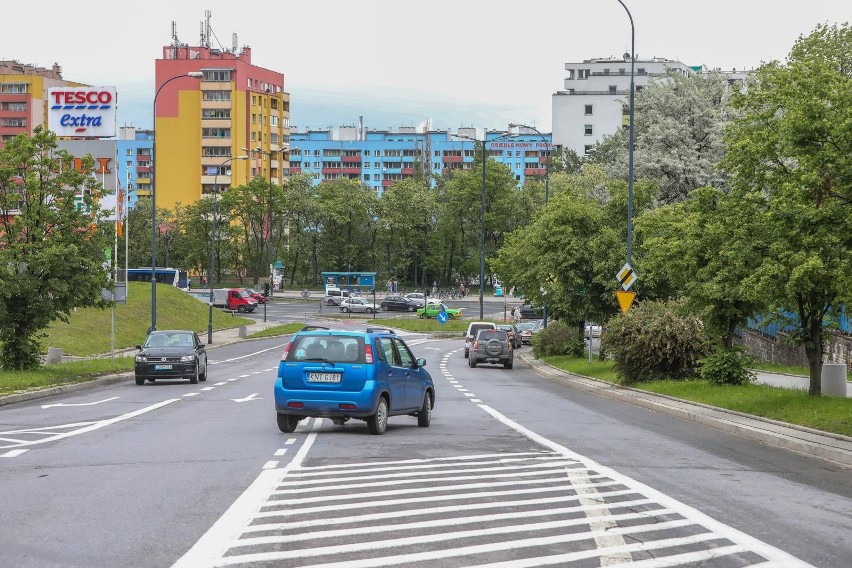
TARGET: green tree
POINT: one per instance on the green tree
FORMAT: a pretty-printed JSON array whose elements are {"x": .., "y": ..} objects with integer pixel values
[
  {"x": 51, "y": 246},
  {"x": 788, "y": 153}
]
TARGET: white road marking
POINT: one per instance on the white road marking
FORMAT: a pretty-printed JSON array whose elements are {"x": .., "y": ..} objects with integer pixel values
[
  {"x": 270, "y": 464},
  {"x": 12, "y": 453},
  {"x": 191, "y": 394},
  {"x": 208, "y": 388},
  {"x": 290, "y": 441},
  {"x": 78, "y": 403},
  {"x": 216, "y": 541},
  {"x": 220, "y": 384},
  {"x": 248, "y": 398},
  {"x": 249, "y": 355},
  {"x": 281, "y": 452}
]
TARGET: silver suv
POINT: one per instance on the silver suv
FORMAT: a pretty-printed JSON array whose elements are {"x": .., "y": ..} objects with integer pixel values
[{"x": 491, "y": 346}]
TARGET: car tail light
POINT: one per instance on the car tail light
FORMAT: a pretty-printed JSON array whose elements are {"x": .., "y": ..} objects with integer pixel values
[
  {"x": 475, "y": 344},
  {"x": 286, "y": 350},
  {"x": 295, "y": 405},
  {"x": 368, "y": 353},
  {"x": 346, "y": 406}
]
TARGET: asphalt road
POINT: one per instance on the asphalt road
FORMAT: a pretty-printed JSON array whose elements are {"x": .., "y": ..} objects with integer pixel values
[{"x": 515, "y": 470}]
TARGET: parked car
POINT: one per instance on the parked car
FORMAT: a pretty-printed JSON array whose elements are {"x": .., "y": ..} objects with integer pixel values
[
  {"x": 171, "y": 354},
  {"x": 333, "y": 296},
  {"x": 432, "y": 309},
  {"x": 234, "y": 299},
  {"x": 400, "y": 304},
  {"x": 529, "y": 312},
  {"x": 472, "y": 329},
  {"x": 491, "y": 346},
  {"x": 358, "y": 305},
  {"x": 512, "y": 331},
  {"x": 367, "y": 375},
  {"x": 261, "y": 299},
  {"x": 417, "y": 297},
  {"x": 527, "y": 329}
]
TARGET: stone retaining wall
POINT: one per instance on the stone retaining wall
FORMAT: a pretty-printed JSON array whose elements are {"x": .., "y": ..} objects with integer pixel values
[{"x": 777, "y": 350}]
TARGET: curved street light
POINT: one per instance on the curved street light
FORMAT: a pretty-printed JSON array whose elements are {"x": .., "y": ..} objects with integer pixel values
[
  {"x": 630, "y": 142},
  {"x": 213, "y": 242},
  {"x": 546, "y": 194},
  {"x": 194, "y": 75}
]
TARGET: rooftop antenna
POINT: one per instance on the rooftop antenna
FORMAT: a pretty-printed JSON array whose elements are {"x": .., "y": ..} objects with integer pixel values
[
  {"x": 175, "y": 41},
  {"x": 207, "y": 15},
  {"x": 234, "y": 42}
]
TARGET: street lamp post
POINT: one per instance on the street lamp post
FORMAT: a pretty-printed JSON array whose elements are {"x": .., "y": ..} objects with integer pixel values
[
  {"x": 213, "y": 242},
  {"x": 546, "y": 196},
  {"x": 482, "y": 217},
  {"x": 630, "y": 141},
  {"x": 194, "y": 75}
]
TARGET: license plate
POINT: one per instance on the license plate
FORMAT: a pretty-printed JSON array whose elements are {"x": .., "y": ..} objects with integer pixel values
[
  {"x": 162, "y": 367},
  {"x": 323, "y": 377}
]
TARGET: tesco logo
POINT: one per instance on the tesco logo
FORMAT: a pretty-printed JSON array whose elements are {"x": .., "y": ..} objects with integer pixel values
[
  {"x": 82, "y": 111},
  {"x": 82, "y": 97}
]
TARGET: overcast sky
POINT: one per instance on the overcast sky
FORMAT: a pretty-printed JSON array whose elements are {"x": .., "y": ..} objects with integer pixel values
[{"x": 480, "y": 63}]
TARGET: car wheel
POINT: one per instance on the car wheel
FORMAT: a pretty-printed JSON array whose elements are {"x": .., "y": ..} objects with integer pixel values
[
  {"x": 329, "y": 302},
  {"x": 241, "y": 309},
  {"x": 140, "y": 381},
  {"x": 369, "y": 310},
  {"x": 411, "y": 308},
  {"x": 203, "y": 376},
  {"x": 424, "y": 417},
  {"x": 194, "y": 378},
  {"x": 378, "y": 422},
  {"x": 385, "y": 307},
  {"x": 471, "y": 361},
  {"x": 344, "y": 310},
  {"x": 466, "y": 353},
  {"x": 151, "y": 380},
  {"x": 508, "y": 364},
  {"x": 287, "y": 422}
]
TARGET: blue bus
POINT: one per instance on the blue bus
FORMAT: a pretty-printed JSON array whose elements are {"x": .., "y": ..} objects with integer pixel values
[{"x": 170, "y": 276}]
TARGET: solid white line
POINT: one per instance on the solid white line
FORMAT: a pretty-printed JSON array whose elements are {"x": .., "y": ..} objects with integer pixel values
[
  {"x": 373, "y": 517},
  {"x": 437, "y": 523},
  {"x": 247, "y": 356},
  {"x": 12, "y": 440},
  {"x": 221, "y": 536},
  {"x": 12, "y": 453},
  {"x": 270, "y": 464},
  {"x": 270, "y": 509},
  {"x": 371, "y": 545}
]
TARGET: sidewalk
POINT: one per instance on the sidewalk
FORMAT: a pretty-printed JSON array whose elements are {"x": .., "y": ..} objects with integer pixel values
[{"x": 798, "y": 382}]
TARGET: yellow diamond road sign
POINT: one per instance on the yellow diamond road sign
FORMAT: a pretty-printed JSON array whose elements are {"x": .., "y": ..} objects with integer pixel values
[{"x": 626, "y": 277}]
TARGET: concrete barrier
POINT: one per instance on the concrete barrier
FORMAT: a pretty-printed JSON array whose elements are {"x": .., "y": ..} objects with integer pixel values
[
  {"x": 54, "y": 355},
  {"x": 833, "y": 379},
  {"x": 244, "y": 332}
]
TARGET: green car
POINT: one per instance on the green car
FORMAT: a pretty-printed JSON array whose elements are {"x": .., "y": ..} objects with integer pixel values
[{"x": 433, "y": 308}]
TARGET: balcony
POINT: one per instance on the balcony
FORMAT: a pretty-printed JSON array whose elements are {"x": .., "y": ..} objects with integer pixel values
[
  {"x": 452, "y": 159},
  {"x": 387, "y": 182},
  {"x": 356, "y": 171},
  {"x": 352, "y": 159},
  {"x": 143, "y": 169},
  {"x": 535, "y": 171},
  {"x": 408, "y": 171},
  {"x": 295, "y": 170},
  {"x": 327, "y": 170}
]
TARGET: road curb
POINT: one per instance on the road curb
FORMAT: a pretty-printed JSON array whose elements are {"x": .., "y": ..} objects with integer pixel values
[
  {"x": 825, "y": 445},
  {"x": 63, "y": 389}
]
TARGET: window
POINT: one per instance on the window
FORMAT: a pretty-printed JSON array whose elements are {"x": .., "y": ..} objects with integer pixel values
[
  {"x": 588, "y": 110},
  {"x": 367, "y": 165},
  {"x": 570, "y": 74},
  {"x": 606, "y": 71},
  {"x": 621, "y": 71},
  {"x": 587, "y": 149},
  {"x": 216, "y": 95},
  {"x": 366, "y": 176},
  {"x": 640, "y": 71},
  {"x": 215, "y": 132},
  {"x": 588, "y": 130},
  {"x": 222, "y": 75},
  {"x": 316, "y": 152},
  {"x": 377, "y": 164},
  {"x": 376, "y": 153},
  {"x": 612, "y": 89},
  {"x": 582, "y": 73},
  {"x": 216, "y": 113},
  {"x": 129, "y": 163},
  {"x": 129, "y": 152}
]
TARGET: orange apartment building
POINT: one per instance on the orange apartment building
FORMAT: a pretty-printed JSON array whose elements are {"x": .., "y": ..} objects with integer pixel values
[{"x": 202, "y": 123}]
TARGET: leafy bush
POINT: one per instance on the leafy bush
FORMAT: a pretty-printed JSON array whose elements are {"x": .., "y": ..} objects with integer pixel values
[
  {"x": 557, "y": 338},
  {"x": 728, "y": 367},
  {"x": 655, "y": 341}
]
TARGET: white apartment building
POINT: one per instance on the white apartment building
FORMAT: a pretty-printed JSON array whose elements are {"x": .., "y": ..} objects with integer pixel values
[{"x": 596, "y": 98}]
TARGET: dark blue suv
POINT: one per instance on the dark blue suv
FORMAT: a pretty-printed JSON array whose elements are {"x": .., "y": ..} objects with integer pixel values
[{"x": 369, "y": 375}]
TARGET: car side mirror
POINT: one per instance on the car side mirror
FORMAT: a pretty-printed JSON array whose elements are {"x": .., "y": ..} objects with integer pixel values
[
  {"x": 139, "y": 347},
  {"x": 421, "y": 362}
]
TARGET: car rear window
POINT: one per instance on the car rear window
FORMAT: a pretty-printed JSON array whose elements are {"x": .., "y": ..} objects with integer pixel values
[
  {"x": 487, "y": 334},
  {"x": 333, "y": 348}
]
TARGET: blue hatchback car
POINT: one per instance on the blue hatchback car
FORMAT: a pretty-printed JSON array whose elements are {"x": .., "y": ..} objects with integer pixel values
[{"x": 369, "y": 375}]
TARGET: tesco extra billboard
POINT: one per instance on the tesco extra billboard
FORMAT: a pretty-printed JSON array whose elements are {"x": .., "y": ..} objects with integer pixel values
[{"x": 82, "y": 112}]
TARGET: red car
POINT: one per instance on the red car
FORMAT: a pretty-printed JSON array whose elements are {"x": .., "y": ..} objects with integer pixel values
[{"x": 261, "y": 299}]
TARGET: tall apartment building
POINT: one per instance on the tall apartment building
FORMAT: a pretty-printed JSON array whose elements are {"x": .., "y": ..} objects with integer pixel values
[
  {"x": 201, "y": 124},
  {"x": 380, "y": 158},
  {"x": 596, "y": 98},
  {"x": 23, "y": 96},
  {"x": 133, "y": 165}
]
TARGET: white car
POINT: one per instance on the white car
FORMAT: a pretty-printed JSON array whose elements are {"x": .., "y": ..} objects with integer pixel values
[
  {"x": 593, "y": 329},
  {"x": 358, "y": 305}
]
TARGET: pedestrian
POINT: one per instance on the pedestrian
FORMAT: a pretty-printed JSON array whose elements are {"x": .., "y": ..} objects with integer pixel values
[
  {"x": 516, "y": 314},
  {"x": 434, "y": 287},
  {"x": 389, "y": 285},
  {"x": 461, "y": 289}
]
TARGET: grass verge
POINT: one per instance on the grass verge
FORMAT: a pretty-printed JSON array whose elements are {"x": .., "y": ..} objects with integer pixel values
[
  {"x": 277, "y": 330},
  {"x": 826, "y": 413},
  {"x": 61, "y": 374}
]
